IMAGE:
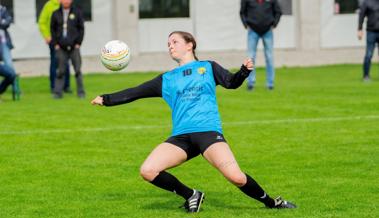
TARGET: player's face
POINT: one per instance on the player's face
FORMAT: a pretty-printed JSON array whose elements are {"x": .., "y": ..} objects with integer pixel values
[
  {"x": 66, "y": 3},
  {"x": 178, "y": 47}
]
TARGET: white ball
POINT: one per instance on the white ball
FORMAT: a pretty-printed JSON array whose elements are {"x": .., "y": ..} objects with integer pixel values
[{"x": 115, "y": 55}]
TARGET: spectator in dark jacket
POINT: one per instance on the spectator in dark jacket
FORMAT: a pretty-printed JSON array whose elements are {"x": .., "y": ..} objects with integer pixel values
[
  {"x": 369, "y": 9},
  {"x": 67, "y": 32},
  {"x": 259, "y": 17},
  {"x": 44, "y": 23}
]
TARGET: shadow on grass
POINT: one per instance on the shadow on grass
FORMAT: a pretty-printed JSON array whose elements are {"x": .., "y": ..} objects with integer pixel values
[
  {"x": 224, "y": 205},
  {"x": 158, "y": 203}
]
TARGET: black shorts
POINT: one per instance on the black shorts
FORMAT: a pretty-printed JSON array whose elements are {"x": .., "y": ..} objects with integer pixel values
[{"x": 196, "y": 143}]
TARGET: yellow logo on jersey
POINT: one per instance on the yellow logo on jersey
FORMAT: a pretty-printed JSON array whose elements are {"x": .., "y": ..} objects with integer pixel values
[
  {"x": 71, "y": 16},
  {"x": 201, "y": 70}
]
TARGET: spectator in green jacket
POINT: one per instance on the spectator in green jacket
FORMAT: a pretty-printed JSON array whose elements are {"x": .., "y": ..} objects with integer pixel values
[{"x": 44, "y": 21}]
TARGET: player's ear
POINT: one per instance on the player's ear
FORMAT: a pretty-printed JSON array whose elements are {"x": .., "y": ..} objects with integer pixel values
[{"x": 189, "y": 46}]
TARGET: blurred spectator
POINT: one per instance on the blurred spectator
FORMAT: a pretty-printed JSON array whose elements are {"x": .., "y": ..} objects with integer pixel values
[
  {"x": 67, "y": 31},
  {"x": 9, "y": 76},
  {"x": 260, "y": 17},
  {"x": 369, "y": 9},
  {"x": 5, "y": 39},
  {"x": 6, "y": 68},
  {"x": 44, "y": 27}
]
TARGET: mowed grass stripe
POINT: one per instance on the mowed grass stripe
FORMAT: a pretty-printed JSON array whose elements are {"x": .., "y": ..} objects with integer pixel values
[{"x": 236, "y": 123}]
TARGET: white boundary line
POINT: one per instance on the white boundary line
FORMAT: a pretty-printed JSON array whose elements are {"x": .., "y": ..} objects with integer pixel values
[
  {"x": 305, "y": 120},
  {"x": 238, "y": 123}
]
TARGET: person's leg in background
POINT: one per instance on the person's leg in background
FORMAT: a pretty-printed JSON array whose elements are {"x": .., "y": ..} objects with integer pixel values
[
  {"x": 66, "y": 87},
  {"x": 77, "y": 63},
  {"x": 252, "y": 43},
  {"x": 370, "y": 46},
  {"x": 9, "y": 75},
  {"x": 268, "y": 44},
  {"x": 53, "y": 67},
  {"x": 377, "y": 40},
  {"x": 6, "y": 55},
  {"x": 53, "y": 71},
  {"x": 8, "y": 64},
  {"x": 62, "y": 57}
]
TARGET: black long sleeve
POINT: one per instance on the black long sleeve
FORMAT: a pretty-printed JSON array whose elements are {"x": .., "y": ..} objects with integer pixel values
[
  {"x": 227, "y": 79},
  {"x": 152, "y": 88}
]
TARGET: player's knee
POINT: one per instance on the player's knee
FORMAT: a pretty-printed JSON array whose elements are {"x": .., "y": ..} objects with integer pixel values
[
  {"x": 148, "y": 173},
  {"x": 238, "y": 179}
]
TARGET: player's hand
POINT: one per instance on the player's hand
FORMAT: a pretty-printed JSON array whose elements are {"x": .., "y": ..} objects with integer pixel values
[
  {"x": 48, "y": 40},
  {"x": 360, "y": 34},
  {"x": 97, "y": 101},
  {"x": 248, "y": 63},
  {"x": 57, "y": 47},
  {"x": 77, "y": 46}
]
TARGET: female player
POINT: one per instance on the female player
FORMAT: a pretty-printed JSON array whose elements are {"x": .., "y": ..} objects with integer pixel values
[{"x": 190, "y": 91}]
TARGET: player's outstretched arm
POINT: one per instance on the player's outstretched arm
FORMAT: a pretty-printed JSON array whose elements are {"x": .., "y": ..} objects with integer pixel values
[{"x": 152, "y": 88}]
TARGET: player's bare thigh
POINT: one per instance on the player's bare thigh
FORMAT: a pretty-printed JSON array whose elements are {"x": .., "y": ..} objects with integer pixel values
[
  {"x": 222, "y": 158},
  {"x": 163, "y": 157}
]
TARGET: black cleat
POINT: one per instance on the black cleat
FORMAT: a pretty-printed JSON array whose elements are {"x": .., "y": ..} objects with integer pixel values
[
  {"x": 193, "y": 204},
  {"x": 283, "y": 204}
]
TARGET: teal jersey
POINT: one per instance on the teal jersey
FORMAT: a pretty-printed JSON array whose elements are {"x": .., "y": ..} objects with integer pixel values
[{"x": 190, "y": 91}]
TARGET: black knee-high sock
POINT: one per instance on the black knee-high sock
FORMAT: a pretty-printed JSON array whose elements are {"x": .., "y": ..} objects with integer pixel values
[
  {"x": 252, "y": 189},
  {"x": 170, "y": 183}
]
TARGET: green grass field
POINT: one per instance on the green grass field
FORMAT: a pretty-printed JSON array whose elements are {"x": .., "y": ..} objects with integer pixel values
[{"x": 313, "y": 140}]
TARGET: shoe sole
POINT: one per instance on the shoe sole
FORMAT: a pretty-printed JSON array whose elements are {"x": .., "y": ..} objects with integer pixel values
[{"x": 201, "y": 202}]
